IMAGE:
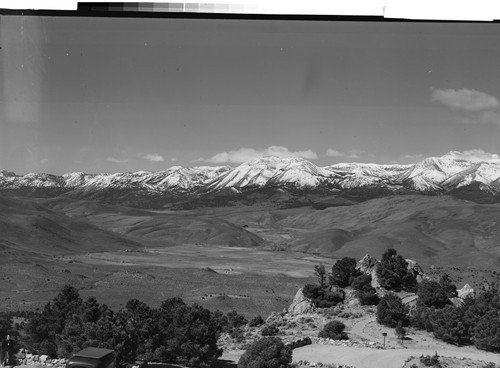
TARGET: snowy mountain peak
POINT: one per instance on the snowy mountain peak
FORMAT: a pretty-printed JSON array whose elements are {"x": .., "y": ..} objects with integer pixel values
[
  {"x": 445, "y": 174},
  {"x": 271, "y": 170}
]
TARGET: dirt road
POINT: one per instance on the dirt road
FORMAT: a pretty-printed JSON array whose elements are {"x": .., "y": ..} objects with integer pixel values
[{"x": 373, "y": 358}]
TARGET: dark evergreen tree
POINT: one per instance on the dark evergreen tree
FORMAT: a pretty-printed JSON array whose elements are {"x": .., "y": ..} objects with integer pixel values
[
  {"x": 421, "y": 317},
  {"x": 320, "y": 273},
  {"x": 448, "y": 287},
  {"x": 391, "y": 310},
  {"x": 400, "y": 331},
  {"x": 5, "y": 326},
  {"x": 487, "y": 332},
  {"x": 448, "y": 325},
  {"x": 137, "y": 324},
  {"x": 343, "y": 272},
  {"x": 432, "y": 294},
  {"x": 185, "y": 335},
  {"x": 393, "y": 272}
]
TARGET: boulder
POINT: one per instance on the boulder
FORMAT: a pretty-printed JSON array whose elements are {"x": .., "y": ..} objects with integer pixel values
[
  {"x": 465, "y": 291},
  {"x": 300, "y": 304},
  {"x": 368, "y": 266},
  {"x": 43, "y": 358},
  {"x": 457, "y": 302},
  {"x": 416, "y": 270}
]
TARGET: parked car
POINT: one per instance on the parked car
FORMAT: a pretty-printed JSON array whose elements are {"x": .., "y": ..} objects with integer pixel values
[{"x": 92, "y": 358}]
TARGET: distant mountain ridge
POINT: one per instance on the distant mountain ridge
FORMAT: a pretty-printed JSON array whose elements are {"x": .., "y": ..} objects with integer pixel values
[{"x": 475, "y": 180}]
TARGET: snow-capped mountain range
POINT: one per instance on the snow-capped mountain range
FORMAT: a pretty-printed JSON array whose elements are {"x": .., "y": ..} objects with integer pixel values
[{"x": 435, "y": 175}]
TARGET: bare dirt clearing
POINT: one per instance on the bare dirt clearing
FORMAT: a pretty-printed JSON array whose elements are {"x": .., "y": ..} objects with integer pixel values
[{"x": 222, "y": 259}]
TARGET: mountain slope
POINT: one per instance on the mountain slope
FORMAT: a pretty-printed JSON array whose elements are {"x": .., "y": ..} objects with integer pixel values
[
  {"x": 32, "y": 229},
  {"x": 439, "y": 230}
]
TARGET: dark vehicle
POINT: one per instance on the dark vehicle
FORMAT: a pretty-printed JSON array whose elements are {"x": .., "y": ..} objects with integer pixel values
[{"x": 92, "y": 358}]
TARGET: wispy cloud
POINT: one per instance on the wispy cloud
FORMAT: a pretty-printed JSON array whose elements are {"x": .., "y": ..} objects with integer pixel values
[
  {"x": 154, "y": 157},
  {"x": 490, "y": 117},
  {"x": 244, "y": 154},
  {"x": 465, "y": 99},
  {"x": 173, "y": 159},
  {"x": 44, "y": 161},
  {"x": 410, "y": 158},
  {"x": 354, "y": 153},
  {"x": 415, "y": 156},
  {"x": 477, "y": 155},
  {"x": 115, "y": 160}
]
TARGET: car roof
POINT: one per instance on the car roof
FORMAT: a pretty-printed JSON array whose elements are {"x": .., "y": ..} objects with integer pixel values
[{"x": 95, "y": 353}]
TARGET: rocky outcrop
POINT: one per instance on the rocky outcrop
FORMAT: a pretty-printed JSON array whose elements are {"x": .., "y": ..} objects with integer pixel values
[
  {"x": 463, "y": 293},
  {"x": 368, "y": 266},
  {"x": 416, "y": 270},
  {"x": 300, "y": 304},
  {"x": 466, "y": 291}
]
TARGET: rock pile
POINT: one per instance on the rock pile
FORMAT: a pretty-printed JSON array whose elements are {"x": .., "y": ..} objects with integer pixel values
[
  {"x": 24, "y": 358},
  {"x": 416, "y": 270},
  {"x": 364, "y": 344}
]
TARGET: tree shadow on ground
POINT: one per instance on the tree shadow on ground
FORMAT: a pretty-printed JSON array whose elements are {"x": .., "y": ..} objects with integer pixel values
[{"x": 224, "y": 363}]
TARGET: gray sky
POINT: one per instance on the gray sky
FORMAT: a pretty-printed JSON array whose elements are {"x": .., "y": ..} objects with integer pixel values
[{"x": 125, "y": 94}]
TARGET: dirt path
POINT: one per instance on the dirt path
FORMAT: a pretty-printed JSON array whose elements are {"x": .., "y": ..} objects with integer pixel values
[
  {"x": 359, "y": 329},
  {"x": 370, "y": 358}
]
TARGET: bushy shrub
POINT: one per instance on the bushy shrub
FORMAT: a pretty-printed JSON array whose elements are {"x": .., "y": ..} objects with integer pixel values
[
  {"x": 236, "y": 320},
  {"x": 430, "y": 361},
  {"x": 256, "y": 321},
  {"x": 270, "y": 330},
  {"x": 333, "y": 330},
  {"x": 311, "y": 291},
  {"x": 489, "y": 365},
  {"x": 268, "y": 352},
  {"x": 322, "y": 298},
  {"x": 368, "y": 298},
  {"x": 237, "y": 334},
  {"x": 366, "y": 293}
]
